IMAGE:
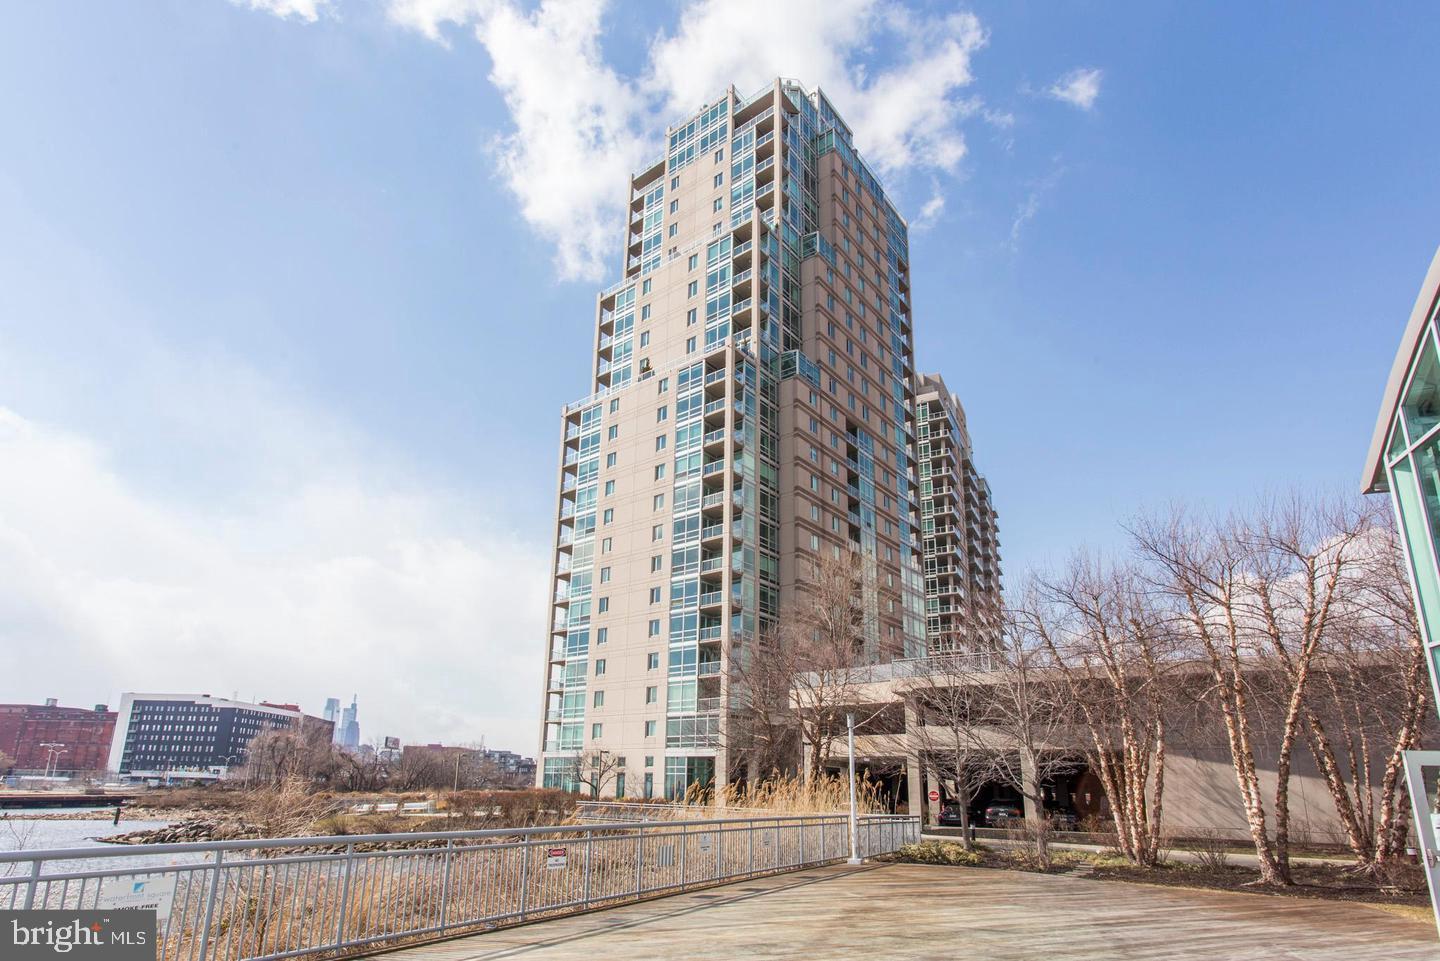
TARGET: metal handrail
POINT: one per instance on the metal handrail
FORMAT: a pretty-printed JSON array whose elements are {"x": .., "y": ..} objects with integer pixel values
[
  {"x": 341, "y": 898},
  {"x": 136, "y": 850}
]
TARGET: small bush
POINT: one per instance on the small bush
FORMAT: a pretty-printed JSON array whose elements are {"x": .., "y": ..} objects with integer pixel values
[
  {"x": 939, "y": 852},
  {"x": 1211, "y": 848}
]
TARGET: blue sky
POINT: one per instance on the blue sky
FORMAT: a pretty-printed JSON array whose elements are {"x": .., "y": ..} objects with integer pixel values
[{"x": 275, "y": 272}]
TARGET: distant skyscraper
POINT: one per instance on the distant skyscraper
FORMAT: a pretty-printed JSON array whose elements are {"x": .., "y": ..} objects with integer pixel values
[
  {"x": 347, "y": 734},
  {"x": 332, "y": 710},
  {"x": 752, "y": 413}
]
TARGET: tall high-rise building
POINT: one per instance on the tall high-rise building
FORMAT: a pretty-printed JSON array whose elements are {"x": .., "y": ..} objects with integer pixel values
[
  {"x": 332, "y": 710},
  {"x": 961, "y": 539},
  {"x": 752, "y": 411},
  {"x": 347, "y": 732}
]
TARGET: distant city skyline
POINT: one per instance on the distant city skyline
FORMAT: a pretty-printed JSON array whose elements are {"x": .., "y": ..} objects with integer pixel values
[{"x": 282, "y": 298}]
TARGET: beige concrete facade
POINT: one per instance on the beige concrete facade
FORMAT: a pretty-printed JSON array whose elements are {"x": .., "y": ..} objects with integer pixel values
[
  {"x": 752, "y": 404},
  {"x": 1200, "y": 786},
  {"x": 959, "y": 527}
]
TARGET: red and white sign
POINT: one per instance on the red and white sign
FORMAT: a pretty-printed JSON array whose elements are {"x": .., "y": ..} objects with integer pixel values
[
  {"x": 555, "y": 858},
  {"x": 934, "y": 795}
]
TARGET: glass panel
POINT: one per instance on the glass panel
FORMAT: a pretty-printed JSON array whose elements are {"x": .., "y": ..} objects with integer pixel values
[
  {"x": 1397, "y": 442},
  {"x": 1415, "y": 526},
  {"x": 1422, "y": 400}
]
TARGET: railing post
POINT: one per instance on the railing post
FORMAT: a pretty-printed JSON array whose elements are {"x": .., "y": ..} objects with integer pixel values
[
  {"x": 824, "y": 851},
  {"x": 585, "y": 890},
  {"x": 684, "y": 843},
  {"x": 802, "y": 842},
  {"x": 445, "y": 885},
  {"x": 524, "y": 878},
  {"x": 639, "y": 857},
  {"x": 210, "y": 905},
  {"x": 34, "y": 883},
  {"x": 345, "y": 895},
  {"x": 750, "y": 840}
]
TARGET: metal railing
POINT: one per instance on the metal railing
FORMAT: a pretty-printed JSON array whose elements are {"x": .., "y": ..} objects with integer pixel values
[{"x": 263, "y": 900}]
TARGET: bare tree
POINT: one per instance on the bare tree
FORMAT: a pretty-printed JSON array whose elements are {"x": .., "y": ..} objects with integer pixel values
[
  {"x": 595, "y": 771},
  {"x": 1259, "y": 596},
  {"x": 1372, "y": 690},
  {"x": 277, "y": 755},
  {"x": 1030, "y": 711},
  {"x": 795, "y": 684},
  {"x": 948, "y": 727},
  {"x": 1116, "y": 655},
  {"x": 6, "y": 763}
]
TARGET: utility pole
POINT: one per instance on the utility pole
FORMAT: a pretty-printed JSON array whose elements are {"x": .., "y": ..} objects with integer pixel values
[{"x": 458, "y": 759}]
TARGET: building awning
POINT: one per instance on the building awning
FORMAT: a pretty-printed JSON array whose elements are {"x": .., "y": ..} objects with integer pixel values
[{"x": 1375, "y": 480}]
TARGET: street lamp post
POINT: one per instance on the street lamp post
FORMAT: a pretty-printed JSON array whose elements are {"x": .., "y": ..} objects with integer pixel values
[
  {"x": 52, "y": 761},
  {"x": 228, "y": 759},
  {"x": 854, "y": 826}
]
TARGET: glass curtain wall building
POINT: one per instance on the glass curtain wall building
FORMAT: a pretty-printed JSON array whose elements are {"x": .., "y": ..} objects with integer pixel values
[
  {"x": 752, "y": 409},
  {"x": 958, "y": 526},
  {"x": 1405, "y": 462},
  {"x": 1405, "y": 457}
]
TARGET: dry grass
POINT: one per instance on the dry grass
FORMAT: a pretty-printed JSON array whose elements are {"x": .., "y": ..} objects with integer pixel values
[{"x": 791, "y": 795}]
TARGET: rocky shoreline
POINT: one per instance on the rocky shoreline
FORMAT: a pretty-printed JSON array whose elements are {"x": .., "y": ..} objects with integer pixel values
[{"x": 103, "y": 814}]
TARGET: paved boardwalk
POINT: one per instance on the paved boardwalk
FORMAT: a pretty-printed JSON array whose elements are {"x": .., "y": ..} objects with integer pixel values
[{"x": 880, "y": 912}]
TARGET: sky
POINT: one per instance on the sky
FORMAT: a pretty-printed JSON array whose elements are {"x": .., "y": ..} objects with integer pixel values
[{"x": 292, "y": 293}]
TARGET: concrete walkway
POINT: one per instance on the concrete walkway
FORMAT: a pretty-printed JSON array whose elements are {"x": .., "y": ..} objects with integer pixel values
[{"x": 907, "y": 911}]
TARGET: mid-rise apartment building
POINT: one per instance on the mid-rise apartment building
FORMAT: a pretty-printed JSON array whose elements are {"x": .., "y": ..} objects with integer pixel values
[
  {"x": 958, "y": 523},
  {"x": 752, "y": 411},
  {"x": 195, "y": 736}
]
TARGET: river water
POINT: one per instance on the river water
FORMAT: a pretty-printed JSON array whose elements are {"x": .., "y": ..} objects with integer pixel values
[{"x": 19, "y": 834}]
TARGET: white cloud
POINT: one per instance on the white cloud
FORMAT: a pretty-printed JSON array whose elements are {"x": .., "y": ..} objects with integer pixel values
[
  {"x": 307, "y": 10},
  {"x": 576, "y": 138},
  {"x": 580, "y": 128},
  {"x": 931, "y": 210},
  {"x": 904, "y": 115},
  {"x": 1030, "y": 206},
  {"x": 1078, "y": 87},
  {"x": 333, "y": 584}
]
